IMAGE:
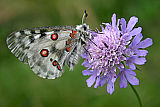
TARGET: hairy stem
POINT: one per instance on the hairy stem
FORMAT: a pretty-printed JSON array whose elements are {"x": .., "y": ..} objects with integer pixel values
[{"x": 137, "y": 95}]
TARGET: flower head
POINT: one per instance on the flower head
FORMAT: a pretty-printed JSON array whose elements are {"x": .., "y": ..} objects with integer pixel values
[{"x": 112, "y": 49}]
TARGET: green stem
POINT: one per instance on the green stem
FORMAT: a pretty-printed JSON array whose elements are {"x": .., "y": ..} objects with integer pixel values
[
  {"x": 134, "y": 90},
  {"x": 137, "y": 95}
]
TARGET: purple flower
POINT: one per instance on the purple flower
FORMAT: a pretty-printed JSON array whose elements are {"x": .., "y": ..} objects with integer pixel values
[{"x": 111, "y": 50}]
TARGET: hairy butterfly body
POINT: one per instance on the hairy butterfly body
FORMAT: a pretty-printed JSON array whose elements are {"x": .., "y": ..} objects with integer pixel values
[{"x": 47, "y": 49}]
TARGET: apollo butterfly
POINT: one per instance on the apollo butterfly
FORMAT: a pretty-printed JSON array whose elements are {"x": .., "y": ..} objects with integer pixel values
[{"x": 47, "y": 49}]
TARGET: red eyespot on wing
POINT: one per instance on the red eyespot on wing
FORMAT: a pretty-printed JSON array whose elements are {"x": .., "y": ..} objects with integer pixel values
[
  {"x": 54, "y": 63},
  {"x": 44, "y": 52},
  {"x": 72, "y": 35},
  {"x": 54, "y": 36},
  {"x": 74, "y": 32},
  {"x": 59, "y": 68},
  {"x": 68, "y": 49}
]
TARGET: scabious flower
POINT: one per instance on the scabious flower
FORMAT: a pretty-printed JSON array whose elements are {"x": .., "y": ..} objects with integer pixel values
[{"x": 111, "y": 50}]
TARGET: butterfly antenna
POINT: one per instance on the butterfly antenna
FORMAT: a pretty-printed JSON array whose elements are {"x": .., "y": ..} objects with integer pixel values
[
  {"x": 92, "y": 41},
  {"x": 84, "y": 16}
]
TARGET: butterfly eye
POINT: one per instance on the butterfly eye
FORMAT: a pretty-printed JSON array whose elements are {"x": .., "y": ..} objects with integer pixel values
[
  {"x": 54, "y": 36},
  {"x": 85, "y": 28},
  {"x": 44, "y": 52}
]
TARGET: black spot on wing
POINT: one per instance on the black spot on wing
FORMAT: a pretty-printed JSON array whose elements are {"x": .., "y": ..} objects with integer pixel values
[
  {"x": 53, "y": 49},
  {"x": 27, "y": 47},
  {"x": 47, "y": 76},
  {"x": 31, "y": 38},
  {"x": 42, "y": 35},
  {"x": 22, "y": 32},
  {"x": 51, "y": 59},
  {"x": 34, "y": 59},
  {"x": 39, "y": 63},
  {"x": 43, "y": 30},
  {"x": 33, "y": 31}
]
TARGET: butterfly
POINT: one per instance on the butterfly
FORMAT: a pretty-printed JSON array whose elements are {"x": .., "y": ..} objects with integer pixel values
[{"x": 47, "y": 49}]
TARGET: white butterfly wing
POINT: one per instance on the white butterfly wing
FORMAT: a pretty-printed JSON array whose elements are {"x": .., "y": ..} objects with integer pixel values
[{"x": 45, "y": 49}]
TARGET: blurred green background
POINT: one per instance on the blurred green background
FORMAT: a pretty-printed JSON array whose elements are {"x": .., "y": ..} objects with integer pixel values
[{"x": 19, "y": 86}]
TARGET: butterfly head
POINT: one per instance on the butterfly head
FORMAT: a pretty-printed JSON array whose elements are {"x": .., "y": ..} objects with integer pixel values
[
  {"x": 83, "y": 27},
  {"x": 84, "y": 33}
]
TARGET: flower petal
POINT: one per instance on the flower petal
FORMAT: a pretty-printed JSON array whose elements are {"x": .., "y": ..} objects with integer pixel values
[
  {"x": 135, "y": 31},
  {"x": 84, "y": 55},
  {"x": 102, "y": 81},
  {"x": 102, "y": 27},
  {"x": 110, "y": 87},
  {"x": 90, "y": 81},
  {"x": 145, "y": 43},
  {"x": 129, "y": 62},
  {"x": 123, "y": 25},
  {"x": 94, "y": 34},
  {"x": 97, "y": 82},
  {"x": 114, "y": 77},
  {"x": 122, "y": 81},
  {"x": 130, "y": 72},
  {"x": 131, "y": 78},
  {"x": 87, "y": 72},
  {"x": 136, "y": 60},
  {"x": 132, "y": 66},
  {"x": 120, "y": 65},
  {"x": 141, "y": 52},
  {"x": 114, "y": 20},
  {"x": 127, "y": 37},
  {"x": 133, "y": 20},
  {"x": 139, "y": 61},
  {"x": 86, "y": 64},
  {"x": 136, "y": 40}
]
